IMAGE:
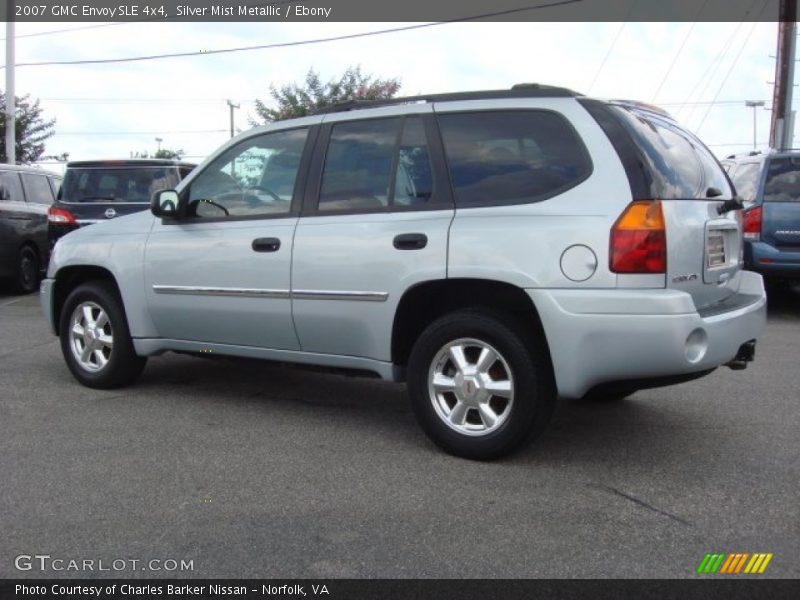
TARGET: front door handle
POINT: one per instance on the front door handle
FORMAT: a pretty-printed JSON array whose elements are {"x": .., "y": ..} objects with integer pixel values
[
  {"x": 266, "y": 244},
  {"x": 410, "y": 241}
]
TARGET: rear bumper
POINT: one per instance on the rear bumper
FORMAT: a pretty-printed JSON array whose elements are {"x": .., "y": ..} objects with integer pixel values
[
  {"x": 599, "y": 336},
  {"x": 769, "y": 260},
  {"x": 46, "y": 301}
]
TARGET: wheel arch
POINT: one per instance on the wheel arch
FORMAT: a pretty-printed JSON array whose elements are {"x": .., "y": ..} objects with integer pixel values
[
  {"x": 69, "y": 278},
  {"x": 424, "y": 302}
]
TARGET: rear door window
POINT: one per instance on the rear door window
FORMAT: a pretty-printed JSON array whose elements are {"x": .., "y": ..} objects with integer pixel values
[
  {"x": 783, "y": 180},
  {"x": 376, "y": 165},
  {"x": 37, "y": 188},
  {"x": 512, "y": 157},
  {"x": 745, "y": 180}
]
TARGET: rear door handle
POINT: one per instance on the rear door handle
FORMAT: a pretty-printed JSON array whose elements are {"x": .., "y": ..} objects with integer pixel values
[
  {"x": 266, "y": 244},
  {"x": 410, "y": 241}
]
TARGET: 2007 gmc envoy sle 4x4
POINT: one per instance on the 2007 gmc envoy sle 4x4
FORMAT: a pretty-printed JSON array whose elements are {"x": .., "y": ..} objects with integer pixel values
[{"x": 494, "y": 249}]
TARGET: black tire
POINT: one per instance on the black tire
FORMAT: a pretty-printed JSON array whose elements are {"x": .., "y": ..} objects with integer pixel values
[
  {"x": 122, "y": 364},
  {"x": 26, "y": 271},
  {"x": 523, "y": 353}
]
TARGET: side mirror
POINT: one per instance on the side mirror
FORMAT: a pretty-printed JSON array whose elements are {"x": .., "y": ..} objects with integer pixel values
[{"x": 164, "y": 203}]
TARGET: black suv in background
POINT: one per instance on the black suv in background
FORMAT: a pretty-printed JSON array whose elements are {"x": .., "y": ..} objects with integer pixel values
[
  {"x": 96, "y": 190},
  {"x": 25, "y": 195}
]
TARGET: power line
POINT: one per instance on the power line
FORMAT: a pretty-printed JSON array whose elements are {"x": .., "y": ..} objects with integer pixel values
[
  {"x": 300, "y": 43},
  {"x": 54, "y": 31},
  {"x": 139, "y": 21},
  {"x": 678, "y": 53},
  {"x": 733, "y": 64}
]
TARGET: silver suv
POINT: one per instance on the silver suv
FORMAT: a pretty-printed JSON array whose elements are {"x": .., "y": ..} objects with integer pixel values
[{"x": 495, "y": 250}]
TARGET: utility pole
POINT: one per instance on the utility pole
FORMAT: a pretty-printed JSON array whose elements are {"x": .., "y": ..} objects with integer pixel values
[
  {"x": 782, "y": 124},
  {"x": 232, "y": 106},
  {"x": 11, "y": 101}
]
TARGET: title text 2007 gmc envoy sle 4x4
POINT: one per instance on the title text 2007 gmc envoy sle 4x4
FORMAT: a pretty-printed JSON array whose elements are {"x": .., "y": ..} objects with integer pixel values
[{"x": 496, "y": 250}]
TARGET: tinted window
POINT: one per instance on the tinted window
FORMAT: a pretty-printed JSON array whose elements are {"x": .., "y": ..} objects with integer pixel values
[
  {"x": 255, "y": 177},
  {"x": 681, "y": 167},
  {"x": 745, "y": 180},
  {"x": 37, "y": 188},
  {"x": 414, "y": 179},
  {"x": 512, "y": 156},
  {"x": 10, "y": 187},
  {"x": 783, "y": 180},
  {"x": 358, "y": 165},
  {"x": 116, "y": 184}
]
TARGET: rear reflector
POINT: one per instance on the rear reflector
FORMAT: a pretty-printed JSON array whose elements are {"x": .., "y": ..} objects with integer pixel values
[
  {"x": 60, "y": 216},
  {"x": 752, "y": 224},
  {"x": 638, "y": 239}
]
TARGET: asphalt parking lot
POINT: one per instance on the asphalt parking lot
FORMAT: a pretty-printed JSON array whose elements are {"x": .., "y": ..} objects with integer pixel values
[{"x": 256, "y": 470}]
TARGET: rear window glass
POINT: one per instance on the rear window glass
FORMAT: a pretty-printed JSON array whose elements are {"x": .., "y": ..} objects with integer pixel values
[
  {"x": 37, "y": 188},
  {"x": 783, "y": 180},
  {"x": 680, "y": 166},
  {"x": 121, "y": 184},
  {"x": 745, "y": 180},
  {"x": 512, "y": 157}
]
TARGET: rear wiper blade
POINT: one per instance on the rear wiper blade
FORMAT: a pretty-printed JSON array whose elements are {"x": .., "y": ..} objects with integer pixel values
[{"x": 85, "y": 198}]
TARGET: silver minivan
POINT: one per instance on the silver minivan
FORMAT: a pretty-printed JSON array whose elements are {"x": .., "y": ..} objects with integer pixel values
[{"x": 494, "y": 249}]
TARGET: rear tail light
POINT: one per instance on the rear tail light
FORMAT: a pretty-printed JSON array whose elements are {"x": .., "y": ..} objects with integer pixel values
[
  {"x": 61, "y": 216},
  {"x": 752, "y": 224},
  {"x": 639, "y": 240}
]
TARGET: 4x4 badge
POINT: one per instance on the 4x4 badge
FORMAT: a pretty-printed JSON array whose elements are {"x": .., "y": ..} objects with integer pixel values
[
  {"x": 684, "y": 278},
  {"x": 110, "y": 213}
]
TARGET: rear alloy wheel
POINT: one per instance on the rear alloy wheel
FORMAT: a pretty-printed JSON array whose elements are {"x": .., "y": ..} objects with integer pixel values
[
  {"x": 478, "y": 385},
  {"x": 95, "y": 340},
  {"x": 26, "y": 277}
]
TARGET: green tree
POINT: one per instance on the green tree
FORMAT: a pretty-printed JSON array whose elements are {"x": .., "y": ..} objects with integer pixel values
[
  {"x": 299, "y": 100},
  {"x": 31, "y": 129}
]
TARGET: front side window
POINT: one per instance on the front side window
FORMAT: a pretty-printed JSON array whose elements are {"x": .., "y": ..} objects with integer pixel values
[
  {"x": 512, "y": 157},
  {"x": 377, "y": 164},
  {"x": 254, "y": 178},
  {"x": 37, "y": 188},
  {"x": 745, "y": 180}
]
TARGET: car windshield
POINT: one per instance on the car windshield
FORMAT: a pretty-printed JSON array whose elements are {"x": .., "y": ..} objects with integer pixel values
[
  {"x": 783, "y": 180},
  {"x": 116, "y": 184}
]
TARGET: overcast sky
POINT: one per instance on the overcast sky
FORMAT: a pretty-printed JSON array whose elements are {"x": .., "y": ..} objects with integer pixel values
[{"x": 109, "y": 111}]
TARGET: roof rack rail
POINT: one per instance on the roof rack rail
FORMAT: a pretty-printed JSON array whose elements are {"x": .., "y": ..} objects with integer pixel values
[{"x": 520, "y": 90}]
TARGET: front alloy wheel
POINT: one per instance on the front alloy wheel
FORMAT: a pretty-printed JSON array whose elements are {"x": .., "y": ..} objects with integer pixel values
[
  {"x": 91, "y": 336},
  {"x": 95, "y": 339}
]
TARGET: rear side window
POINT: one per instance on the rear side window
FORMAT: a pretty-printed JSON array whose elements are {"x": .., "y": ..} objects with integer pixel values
[
  {"x": 512, "y": 157},
  {"x": 10, "y": 188},
  {"x": 745, "y": 180},
  {"x": 37, "y": 188},
  {"x": 783, "y": 180},
  {"x": 678, "y": 164}
]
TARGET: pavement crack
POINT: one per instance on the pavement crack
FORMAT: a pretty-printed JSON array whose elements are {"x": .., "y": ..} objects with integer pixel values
[{"x": 641, "y": 503}]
